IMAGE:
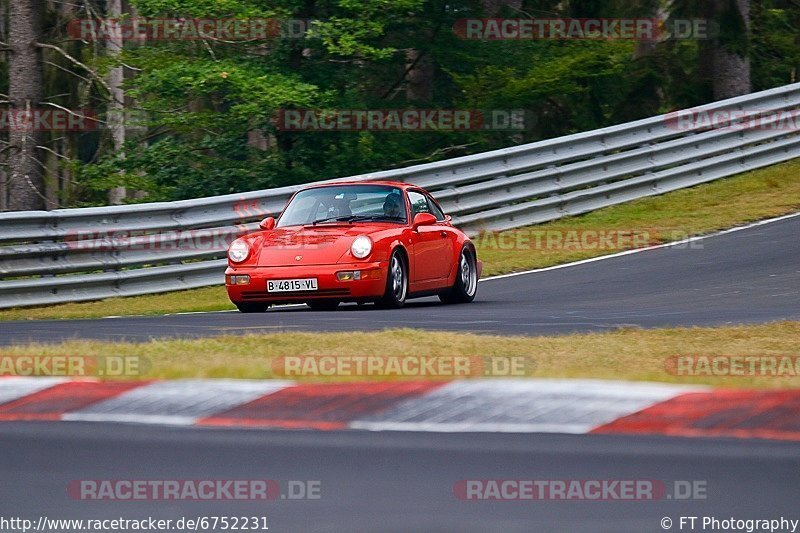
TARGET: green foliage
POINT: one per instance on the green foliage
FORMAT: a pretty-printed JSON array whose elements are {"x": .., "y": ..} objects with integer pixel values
[
  {"x": 202, "y": 120},
  {"x": 775, "y": 49}
]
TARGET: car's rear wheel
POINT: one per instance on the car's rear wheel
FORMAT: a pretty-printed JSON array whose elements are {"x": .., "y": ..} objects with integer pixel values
[
  {"x": 396, "y": 283},
  {"x": 252, "y": 307},
  {"x": 323, "y": 305},
  {"x": 466, "y": 285}
]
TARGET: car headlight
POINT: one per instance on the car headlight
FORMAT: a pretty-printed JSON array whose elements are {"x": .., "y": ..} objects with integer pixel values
[
  {"x": 238, "y": 251},
  {"x": 361, "y": 247}
]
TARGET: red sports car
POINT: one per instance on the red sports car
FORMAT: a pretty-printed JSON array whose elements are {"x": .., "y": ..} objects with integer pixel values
[{"x": 379, "y": 242}]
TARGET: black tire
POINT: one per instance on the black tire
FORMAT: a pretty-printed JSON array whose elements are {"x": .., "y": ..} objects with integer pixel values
[
  {"x": 466, "y": 285},
  {"x": 396, "y": 283},
  {"x": 252, "y": 307},
  {"x": 323, "y": 305}
]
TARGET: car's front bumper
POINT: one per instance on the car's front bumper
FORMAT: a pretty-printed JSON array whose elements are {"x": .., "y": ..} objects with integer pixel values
[{"x": 328, "y": 286}]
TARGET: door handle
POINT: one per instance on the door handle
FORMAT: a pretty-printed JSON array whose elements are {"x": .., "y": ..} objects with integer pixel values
[{"x": 443, "y": 234}]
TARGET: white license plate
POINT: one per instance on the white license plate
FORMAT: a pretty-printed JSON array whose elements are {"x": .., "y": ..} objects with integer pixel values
[{"x": 291, "y": 285}]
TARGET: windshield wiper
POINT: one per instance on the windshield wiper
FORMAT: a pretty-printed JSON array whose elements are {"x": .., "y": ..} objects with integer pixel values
[
  {"x": 378, "y": 217},
  {"x": 348, "y": 218},
  {"x": 358, "y": 218}
]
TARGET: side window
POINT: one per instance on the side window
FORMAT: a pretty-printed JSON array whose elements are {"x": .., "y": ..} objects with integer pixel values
[
  {"x": 434, "y": 209},
  {"x": 419, "y": 204}
]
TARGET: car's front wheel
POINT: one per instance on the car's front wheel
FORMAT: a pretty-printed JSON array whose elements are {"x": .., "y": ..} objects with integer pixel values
[
  {"x": 322, "y": 305},
  {"x": 252, "y": 307},
  {"x": 396, "y": 283},
  {"x": 466, "y": 285}
]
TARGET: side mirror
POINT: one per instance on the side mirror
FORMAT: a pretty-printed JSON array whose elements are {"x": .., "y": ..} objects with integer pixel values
[
  {"x": 423, "y": 219},
  {"x": 267, "y": 223},
  {"x": 448, "y": 219}
]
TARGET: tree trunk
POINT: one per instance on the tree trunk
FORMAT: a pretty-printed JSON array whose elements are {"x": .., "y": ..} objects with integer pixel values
[
  {"x": 26, "y": 184},
  {"x": 116, "y": 106},
  {"x": 730, "y": 59},
  {"x": 3, "y": 135},
  {"x": 419, "y": 86}
]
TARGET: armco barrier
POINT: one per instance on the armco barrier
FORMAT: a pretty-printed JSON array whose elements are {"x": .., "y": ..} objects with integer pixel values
[{"x": 498, "y": 190}]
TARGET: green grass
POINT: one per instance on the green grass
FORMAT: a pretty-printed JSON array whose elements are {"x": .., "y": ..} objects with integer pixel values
[
  {"x": 757, "y": 195},
  {"x": 752, "y": 196},
  {"x": 627, "y": 354}
]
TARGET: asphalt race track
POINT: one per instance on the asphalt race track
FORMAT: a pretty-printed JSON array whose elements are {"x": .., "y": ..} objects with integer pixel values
[
  {"x": 393, "y": 481},
  {"x": 404, "y": 481},
  {"x": 747, "y": 276}
]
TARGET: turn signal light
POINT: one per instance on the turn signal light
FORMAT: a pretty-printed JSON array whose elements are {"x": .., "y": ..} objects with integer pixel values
[
  {"x": 355, "y": 275},
  {"x": 241, "y": 279},
  {"x": 374, "y": 273},
  {"x": 348, "y": 275}
]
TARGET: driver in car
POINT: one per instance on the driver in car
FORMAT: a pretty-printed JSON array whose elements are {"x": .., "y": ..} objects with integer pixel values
[{"x": 392, "y": 207}]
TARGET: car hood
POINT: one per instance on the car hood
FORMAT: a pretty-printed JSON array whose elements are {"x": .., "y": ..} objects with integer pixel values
[{"x": 310, "y": 245}]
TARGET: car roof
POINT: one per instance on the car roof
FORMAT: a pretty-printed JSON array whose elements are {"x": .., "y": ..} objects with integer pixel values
[{"x": 398, "y": 184}]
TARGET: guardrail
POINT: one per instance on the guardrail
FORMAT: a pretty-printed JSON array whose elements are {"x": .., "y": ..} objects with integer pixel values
[{"x": 44, "y": 258}]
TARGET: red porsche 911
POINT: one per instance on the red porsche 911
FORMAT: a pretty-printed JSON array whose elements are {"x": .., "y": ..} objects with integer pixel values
[{"x": 381, "y": 242}]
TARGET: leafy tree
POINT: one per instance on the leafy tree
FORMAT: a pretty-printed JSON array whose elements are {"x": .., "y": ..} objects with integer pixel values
[{"x": 200, "y": 115}]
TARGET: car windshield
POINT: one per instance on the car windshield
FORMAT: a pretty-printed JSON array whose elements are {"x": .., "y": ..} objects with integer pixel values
[{"x": 345, "y": 203}]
